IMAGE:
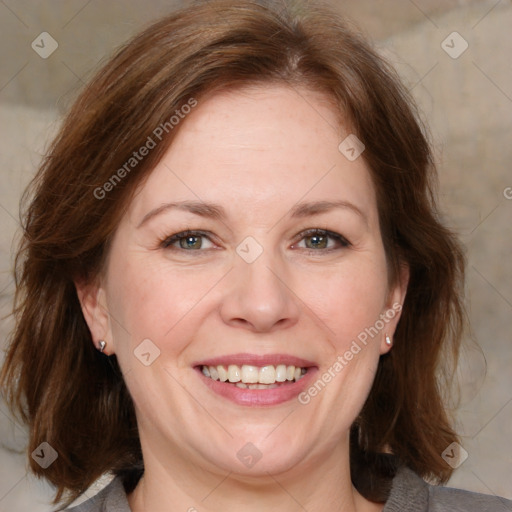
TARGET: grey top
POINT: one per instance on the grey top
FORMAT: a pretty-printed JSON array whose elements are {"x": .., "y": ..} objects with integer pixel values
[{"x": 409, "y": 493}]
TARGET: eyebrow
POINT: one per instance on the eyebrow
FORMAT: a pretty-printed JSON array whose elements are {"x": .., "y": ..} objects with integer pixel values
[
  {"x": 217, "y": 212},
  {"x": 316, "y": 208},
  {"x": 208, "y": 210}
]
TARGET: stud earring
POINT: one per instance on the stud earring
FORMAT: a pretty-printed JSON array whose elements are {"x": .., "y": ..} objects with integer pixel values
[
  {"x": 102, "y": 344},
  {"x": 388, "y": 341}
]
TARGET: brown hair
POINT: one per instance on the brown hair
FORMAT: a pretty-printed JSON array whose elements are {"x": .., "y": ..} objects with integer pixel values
[{"x": 75, "y": 398}]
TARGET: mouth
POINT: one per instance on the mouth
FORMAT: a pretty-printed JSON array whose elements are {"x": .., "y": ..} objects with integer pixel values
[
  {"x": 254, "y": 377},
  {"x": 256, "y": 380}
]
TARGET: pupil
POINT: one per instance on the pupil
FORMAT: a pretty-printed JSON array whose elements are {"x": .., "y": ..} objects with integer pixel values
[
  {"x": 318, "y": 241},
  {"x": 191, "y": 242}
]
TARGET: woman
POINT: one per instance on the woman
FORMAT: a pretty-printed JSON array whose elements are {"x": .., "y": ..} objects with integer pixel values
[{"x": 233, "y": 287}]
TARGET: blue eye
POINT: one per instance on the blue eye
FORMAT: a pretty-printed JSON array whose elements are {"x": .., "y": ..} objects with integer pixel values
[
  {"x": 314, "y": 240},
  {"x": 188, "y": 241},
  {"x": 321, "y": 239}
]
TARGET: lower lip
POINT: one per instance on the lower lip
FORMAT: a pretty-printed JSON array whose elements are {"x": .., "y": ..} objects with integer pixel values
[{"x": 259, "y": 397}]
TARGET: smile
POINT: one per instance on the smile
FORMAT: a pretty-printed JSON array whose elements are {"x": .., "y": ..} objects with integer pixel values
[
  {"x": 254, "y": 377},
  {"x": 256, "y": 380}
]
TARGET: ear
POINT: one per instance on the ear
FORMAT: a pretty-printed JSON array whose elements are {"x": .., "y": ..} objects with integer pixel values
[
  {"x": 93, "y": 301},
  {"x": 391, "y": 315}
]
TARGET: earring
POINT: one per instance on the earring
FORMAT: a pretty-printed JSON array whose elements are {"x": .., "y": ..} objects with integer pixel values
[
  {"x": 388, "y": 341},
  {"x": 102, "y": 344}
]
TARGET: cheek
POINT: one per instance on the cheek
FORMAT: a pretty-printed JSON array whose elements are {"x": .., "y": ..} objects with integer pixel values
[
  {"x": 155, "y": 300},
  {"x": 349, "y": 304},
  {"x": 347, "y": 299}
]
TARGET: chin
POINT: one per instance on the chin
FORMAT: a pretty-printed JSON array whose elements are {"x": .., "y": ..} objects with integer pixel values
[{"x": 258, "y": 455}]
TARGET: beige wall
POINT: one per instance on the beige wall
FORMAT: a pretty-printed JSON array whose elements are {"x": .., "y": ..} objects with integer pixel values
[{"x": 466, "y": 100}]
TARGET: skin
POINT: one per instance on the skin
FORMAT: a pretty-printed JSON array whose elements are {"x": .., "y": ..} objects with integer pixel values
[{"x": 255, "y": 152}]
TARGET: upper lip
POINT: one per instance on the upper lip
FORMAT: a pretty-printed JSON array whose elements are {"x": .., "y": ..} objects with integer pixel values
[{"x": 256, "y": 360}]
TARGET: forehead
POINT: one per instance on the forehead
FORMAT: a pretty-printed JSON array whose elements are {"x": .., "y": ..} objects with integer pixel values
[{"x": 258, "y": 148}]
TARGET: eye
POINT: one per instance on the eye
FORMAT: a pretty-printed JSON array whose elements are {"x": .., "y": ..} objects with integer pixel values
[
  {"x": 188, "y": 241},
  {"x": 321, "y": 239}
]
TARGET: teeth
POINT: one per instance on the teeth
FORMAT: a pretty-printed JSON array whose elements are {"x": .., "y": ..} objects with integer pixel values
[
  {"x": 254, "y": 377},
  {"x": 250, "y": 374},
  {"x": 234, "y": 373},
  {"x": 268, "y": 375},
  {"x": 223, "y": 374},
  {"x": 280, "y": 373}
]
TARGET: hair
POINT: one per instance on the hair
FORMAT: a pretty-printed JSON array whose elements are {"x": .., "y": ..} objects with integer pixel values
[{"x": 73, "y": 397}]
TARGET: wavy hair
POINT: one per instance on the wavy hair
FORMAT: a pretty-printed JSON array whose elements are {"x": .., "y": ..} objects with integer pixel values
[{"x": 75, "y": 398}]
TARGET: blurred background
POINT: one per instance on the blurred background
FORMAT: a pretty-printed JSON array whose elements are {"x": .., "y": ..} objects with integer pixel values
[{"x": 454, "y": 55}]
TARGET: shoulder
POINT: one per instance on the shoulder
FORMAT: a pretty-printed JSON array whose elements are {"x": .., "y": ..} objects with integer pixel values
[
  {"x": 457, "y": 500},
  {"x": 110, "y": 499},
  {"x": 409, "y": 492},
  {"x": 412, "y": 493}
]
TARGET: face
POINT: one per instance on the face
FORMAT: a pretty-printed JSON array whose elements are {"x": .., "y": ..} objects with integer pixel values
[{"x": 265, "y": 267}]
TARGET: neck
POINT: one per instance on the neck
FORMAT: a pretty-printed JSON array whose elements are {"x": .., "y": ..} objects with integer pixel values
[{"x": 175, "y": 483}]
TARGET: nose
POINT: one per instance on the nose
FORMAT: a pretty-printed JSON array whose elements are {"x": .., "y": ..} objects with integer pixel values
[{"x": 259, "y": 297}]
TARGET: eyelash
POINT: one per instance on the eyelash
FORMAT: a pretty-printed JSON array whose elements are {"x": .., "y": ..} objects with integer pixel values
[{"x": 340, "y": 240}]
